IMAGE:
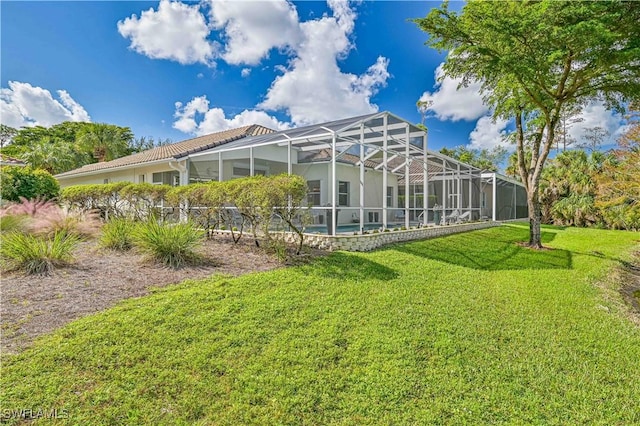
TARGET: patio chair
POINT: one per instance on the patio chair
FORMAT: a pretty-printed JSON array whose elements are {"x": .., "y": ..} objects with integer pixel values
[
  {"x": 451, "y": 218},
  {"x": 464, "y": 217}
]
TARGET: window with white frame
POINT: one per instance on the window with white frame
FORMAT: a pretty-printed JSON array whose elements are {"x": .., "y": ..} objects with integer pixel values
[
  {"x": 343, "y": 193},
  {"x": 313, "y": 193},
  {"x": 244, "y": 169},
  {"x": 166, "y": 178},
  {"x": 390, "y": 196}
]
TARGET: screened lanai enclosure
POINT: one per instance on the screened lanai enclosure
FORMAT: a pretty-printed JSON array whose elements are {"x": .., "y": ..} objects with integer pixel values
[
  {"x": 367, "y": 172},
  {"x": 502, "y": 198}
]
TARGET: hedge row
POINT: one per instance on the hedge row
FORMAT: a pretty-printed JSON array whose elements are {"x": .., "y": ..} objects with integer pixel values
[{"x": 258, "y": 204}]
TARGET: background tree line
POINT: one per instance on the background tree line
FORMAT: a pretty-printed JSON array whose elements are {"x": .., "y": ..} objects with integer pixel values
[{"x": 69, "y": 145}]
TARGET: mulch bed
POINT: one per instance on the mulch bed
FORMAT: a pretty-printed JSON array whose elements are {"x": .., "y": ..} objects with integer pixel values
[{"x": 35, "y": 305}]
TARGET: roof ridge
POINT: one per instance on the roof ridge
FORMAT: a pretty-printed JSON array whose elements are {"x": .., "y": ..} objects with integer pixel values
[{"x": 174, "y": 150}]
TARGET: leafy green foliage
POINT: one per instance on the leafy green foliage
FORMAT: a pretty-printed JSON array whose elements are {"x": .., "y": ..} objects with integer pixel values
[
  {"x": 537, "y": 61},
  {"x": 27, "y": 183},
  {"x": 34, "y": 254},
  {"x": 173, "y": 245},
  {"x": 568, "y": 188},
  {"x": 142, "y": 200},
  {"x": 69, "y": 145},
  {"x": 466, "y": 329},
  {"x": 252, "y": 203},
  {"x": 7, "y": 134},
  {"x": 105, "y": 142},
  {"x": 11, "y": 223},
  {"x": 484, "y": 159},
  {"x": 117, "y": 234},
  {"x": 619, "y": 182}
]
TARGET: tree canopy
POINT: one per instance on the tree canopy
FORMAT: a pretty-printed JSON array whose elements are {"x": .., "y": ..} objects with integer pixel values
[
  {"x": 484, "y": 159},
  {"x": 536, "y": 59},
  {"x": 69, "y": 145}
]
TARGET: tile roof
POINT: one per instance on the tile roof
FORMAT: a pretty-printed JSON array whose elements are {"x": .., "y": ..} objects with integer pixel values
[
  {"x": 174, "y": 150},
  {"x": 10, "y": 161}
]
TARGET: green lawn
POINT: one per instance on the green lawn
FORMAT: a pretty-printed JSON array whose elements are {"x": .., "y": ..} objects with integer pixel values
[{"x": 467, "y": 329}]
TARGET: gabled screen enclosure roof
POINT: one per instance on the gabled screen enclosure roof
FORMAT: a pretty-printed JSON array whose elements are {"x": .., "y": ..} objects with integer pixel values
[
  {"x": 347, "y": 132},
  {"x": 404, "y": 143}
]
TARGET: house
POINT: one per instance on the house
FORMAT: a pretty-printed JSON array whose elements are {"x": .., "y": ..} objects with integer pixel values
[
  {"x": 10, "y": 161},
  {"x": 156, "y": 165},
  {"x": 365, "y": 172}
]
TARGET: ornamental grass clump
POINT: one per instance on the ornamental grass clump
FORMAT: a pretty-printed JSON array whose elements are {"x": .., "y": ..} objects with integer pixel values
[
  {"x": 172, "y": 245},
  {"x": 45, "y": 218},
  {"x": 35, "y": 254},
  {"x": 117, "y": 234}
]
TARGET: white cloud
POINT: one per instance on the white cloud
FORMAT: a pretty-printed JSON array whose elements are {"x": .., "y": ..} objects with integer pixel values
[
  {"x": 488, "y": 133},
  {"x": 452, "y": 103},
  {"x": 313, "y": 88},
  {"x": 197, "y": 118},
  {"x": 25, "y": 105},
  {"x": 252, "y": 29},
  {"x": 176, "y": 31},
  {"x": 596, "y": 115}
]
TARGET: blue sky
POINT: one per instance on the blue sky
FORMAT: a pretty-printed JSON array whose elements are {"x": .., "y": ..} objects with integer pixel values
[{"x": 174, "y": 70}]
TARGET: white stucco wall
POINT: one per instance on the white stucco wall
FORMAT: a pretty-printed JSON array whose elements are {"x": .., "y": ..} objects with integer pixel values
[{"x": 123, "y": 175}]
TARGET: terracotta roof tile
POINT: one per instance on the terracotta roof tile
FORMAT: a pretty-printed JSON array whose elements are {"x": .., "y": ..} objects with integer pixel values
[
  {"x": 10, "y": 161},
  {"x": 174, "y": 150}
]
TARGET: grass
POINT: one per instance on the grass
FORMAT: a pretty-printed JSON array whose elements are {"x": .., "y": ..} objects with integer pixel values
[
  {"x": 467, "y": 329},
  {"x": 34, "y": 254},
  {"x": 117, "y": 235},
  {"x": 172, "y": 245}
]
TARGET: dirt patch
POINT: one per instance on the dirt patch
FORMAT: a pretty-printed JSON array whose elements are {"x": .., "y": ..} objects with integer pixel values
[
  {"x": 630, "y": 289},
  {"x": 34, "y": 305}
]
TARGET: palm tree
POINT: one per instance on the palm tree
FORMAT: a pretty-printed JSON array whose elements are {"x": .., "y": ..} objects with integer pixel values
[{"x": 106, "y": 141}]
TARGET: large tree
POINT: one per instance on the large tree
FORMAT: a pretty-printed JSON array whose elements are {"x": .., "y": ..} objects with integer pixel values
[
  {"x": 106, "y": 141},
  {"x": 69, "y": 145},
  {"x": 534, "y": 59},
  {"x": 619, "y": 183}
]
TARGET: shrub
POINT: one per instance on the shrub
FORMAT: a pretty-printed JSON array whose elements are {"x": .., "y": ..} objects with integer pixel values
[
  {"x": 30, "y": 207},
  {"x": 28, "y": 183},
  {"x": 117, "y": 235},
  {"x": 172, "y": 245},
  {"x": 143, "y": 199},
  {"x": 41, "y": 217},
  {"x": 36, "y": 254},
  {"x": 103, "y": 197}
]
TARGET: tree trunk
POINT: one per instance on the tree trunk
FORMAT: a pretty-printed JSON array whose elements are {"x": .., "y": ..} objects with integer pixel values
[{"x": 535, "y": 213}]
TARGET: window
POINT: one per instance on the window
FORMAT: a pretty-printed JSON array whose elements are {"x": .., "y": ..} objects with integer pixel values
[
  {"x": 105, "y": 181},
  {"x": 166, "y": 178},
  {"x": 244, "y": 169},
  {"x": 343, "y": 193},
  {"x": 483, "y": 200},
  {"x": 141, "y": 178},
  {"x": 313, "y": 192},
  {"x": 389, "y": 196}
]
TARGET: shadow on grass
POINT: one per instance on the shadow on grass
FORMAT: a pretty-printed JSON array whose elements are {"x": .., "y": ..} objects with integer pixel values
[
  {"x": 346, "y": 266},
  {"x": 491, "y": 250}
]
